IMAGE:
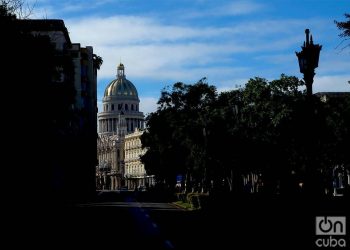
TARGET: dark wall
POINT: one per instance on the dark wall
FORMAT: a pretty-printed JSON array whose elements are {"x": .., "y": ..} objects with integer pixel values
[{"x": 47, "y": 152}]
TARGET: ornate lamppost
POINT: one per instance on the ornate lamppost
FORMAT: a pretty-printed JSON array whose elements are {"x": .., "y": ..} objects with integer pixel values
[{"x": 308, "y": 60}]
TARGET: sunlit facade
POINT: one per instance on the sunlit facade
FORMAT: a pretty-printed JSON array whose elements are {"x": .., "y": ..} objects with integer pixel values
[
  {"x": 119, "y": 117},
  {"x": 135, "y": 173}
]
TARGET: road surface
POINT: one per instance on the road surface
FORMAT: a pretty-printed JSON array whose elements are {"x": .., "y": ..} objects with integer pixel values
[{"x": 119, "y": 221}]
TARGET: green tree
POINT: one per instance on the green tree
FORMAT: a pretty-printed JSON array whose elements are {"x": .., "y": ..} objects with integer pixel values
[
  {"x": 16, "y": 8},
  {"x": 175, "y": 136},
  {"x": 344, "y": 27},
  {"x": 268, "y": 128},
  {"x": 97, "y": 61},
  {"x": 337, "y": 113}
]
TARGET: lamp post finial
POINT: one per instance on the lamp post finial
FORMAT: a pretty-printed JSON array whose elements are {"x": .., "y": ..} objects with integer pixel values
[{"x": 307, "y": 33}]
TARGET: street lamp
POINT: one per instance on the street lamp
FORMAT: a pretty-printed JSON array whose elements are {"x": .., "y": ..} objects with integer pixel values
[{"x": 308, "y": 60}]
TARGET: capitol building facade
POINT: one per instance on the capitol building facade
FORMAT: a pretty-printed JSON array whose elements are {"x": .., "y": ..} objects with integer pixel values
[{"x": 119, "y": 120}]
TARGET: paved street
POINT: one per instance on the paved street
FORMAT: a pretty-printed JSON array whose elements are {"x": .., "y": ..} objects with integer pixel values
[
  {"x": 140, "y": 227},
  {"x": 114, "y": 219},
  {"x": 119, "y": 220}
]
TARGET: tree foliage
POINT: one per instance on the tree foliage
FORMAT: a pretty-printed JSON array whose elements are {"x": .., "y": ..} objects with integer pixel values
[
  {"x": 269, "y": 128},
  {"x": 97, "y": 60},
  {"x": 344, "y": 27},
  {"x": 16, "y": 8}
]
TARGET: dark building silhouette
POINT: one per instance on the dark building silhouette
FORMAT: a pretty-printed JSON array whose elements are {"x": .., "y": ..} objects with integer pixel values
[{"x": 54, "y": 111}]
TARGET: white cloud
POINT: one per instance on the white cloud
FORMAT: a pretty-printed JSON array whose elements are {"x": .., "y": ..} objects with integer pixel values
[
  {"x": 42, "y": 12},
  {"x": 138, "y": 30},
  {"x": 232, "y": 84},
  {"x": 236, "y": 8},
  {"x": 165, "y": 62},
  {"x": 122, "y": 30},
  {"x": 286, "y": 58},
  {"x": 84, "y": 5},
  {"x": 148, "y": 104},
  {"x": 331, "y": 83},
  {"x": 59, "y": 8},
  {"x": 154, "y": 50},
  {"x": 326, "y": 83},
  {"x": 332, "y": 62},
  {"x": 99, "y": 105},
  {"x": 160, "y": 51}
]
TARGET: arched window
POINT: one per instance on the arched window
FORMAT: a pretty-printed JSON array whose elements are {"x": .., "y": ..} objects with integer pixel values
[
  {"x": 112, "y": 107},
  {"x": 107, "y": 107},
  {"x": 126, "y": 107},
  {"x": 132, "y": 106}
]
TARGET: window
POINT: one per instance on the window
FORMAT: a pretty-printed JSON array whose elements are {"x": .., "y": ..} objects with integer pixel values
[
  {"x": 112, "y": 107},
  {"x": 126, "y": 107},
  {"x": 132, "y": 106}
]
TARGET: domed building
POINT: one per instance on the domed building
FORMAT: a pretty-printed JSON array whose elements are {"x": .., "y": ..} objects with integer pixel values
[
  {"x": 120, "y": 107},
  {"x": 120, "y": 116}
]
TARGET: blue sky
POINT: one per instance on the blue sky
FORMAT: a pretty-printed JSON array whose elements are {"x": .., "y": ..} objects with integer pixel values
[{"x": 162, "y": 42}]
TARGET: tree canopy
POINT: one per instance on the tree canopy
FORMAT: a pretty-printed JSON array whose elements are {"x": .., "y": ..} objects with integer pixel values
[
  {"x": 344, "y": 27},
  {"x": 267, "y": 128}
]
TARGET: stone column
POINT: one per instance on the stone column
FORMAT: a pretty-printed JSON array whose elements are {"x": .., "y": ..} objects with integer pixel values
[
  {"x": 112, "y": 182},
  {"x": 104, "y": 182}
]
